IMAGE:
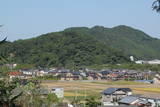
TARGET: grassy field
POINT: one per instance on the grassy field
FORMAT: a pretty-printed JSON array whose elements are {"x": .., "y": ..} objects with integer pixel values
[{"x": 86, "y": 88}]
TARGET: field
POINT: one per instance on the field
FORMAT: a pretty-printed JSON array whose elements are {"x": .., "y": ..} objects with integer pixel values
[{"x": 93, "y": 88}]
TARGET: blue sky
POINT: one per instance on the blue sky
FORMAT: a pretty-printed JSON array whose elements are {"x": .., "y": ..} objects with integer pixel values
[{"x": 29, "y": 18}]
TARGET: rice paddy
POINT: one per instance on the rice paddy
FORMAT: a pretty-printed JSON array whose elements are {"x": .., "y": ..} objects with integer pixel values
[{"x": 94, "y": 88}]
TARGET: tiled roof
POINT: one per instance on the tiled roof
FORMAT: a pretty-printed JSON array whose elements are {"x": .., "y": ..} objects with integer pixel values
[
  {"x": 112, "y": 90},
  {"x": 109, "y": 91},
  {"x": 128, "y": 99},
  {"x": 15, "y": 73},
  {"x": 151, "y": 96},
  {"x": 125, "y": 89}
]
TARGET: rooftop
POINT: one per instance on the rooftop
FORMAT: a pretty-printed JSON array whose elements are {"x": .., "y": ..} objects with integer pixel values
[
  {"x": 128, "y": 99},
  {"x": 112, "y": 90}
]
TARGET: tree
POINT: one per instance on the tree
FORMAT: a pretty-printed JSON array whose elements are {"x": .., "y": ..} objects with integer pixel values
[
  {"x": 91, "y": 102},
  {"x": 31, "y": 96},
  {"x": 4, "y": 40},
  {"x": 2, "y": 58},
  {"x": 9, "y": 92},
  {"x": 76, "y": 101},
  {"x": 156, "y": 5},
  {"x": 52, "y": 99}
]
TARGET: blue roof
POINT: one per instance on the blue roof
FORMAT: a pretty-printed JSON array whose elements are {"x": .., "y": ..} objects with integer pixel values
[
  {"x": 125, "y": 89},
  {"x": 76, "y": 73},
  {"x": 112, "y": 90},
  {"x": 128, "y": 99},
  {"x": 109, "y": 91},
  {"x": 106, "y": 72},
  {"x": 145, "y": 81}
]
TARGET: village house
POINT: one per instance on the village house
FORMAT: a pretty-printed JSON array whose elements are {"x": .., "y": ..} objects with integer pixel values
[
  {"x": 69, "y": 76},
  {"x": 58, "y": 91},
  {"x": 93, "y": 76},
  {"x": 105, "y": 72},
  {"x": 156, "y": 79},
  {"x": 151, "y": 62},
  {"x": 65, "y": 75},
  {"x": 53, "y": 73},
  {"x": 123, "y": 97},
  {"x": 28, "y": 73},
  {"x": 15, "y": 74},
  {"x": 129, "y": 100},
  {"x": 147, "y": 100},
  {"x": 111, "y": 96},
  {"x": 112, "y": 76},
  {"x": 11, "y": 66},
  {"x": 40, "y": 72},
  {"x": 154, "y": 99},
  {"x": 134, "y": 100}
]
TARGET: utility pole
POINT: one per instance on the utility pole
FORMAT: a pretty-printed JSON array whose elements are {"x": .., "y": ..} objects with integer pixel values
[
  {"x": 10, "y": 58},
  {"x": 75, "y": 96},
  {"x": 84, "y": 97}
]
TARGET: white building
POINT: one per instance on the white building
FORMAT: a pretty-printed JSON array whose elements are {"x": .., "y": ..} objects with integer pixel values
[
  {"x": 139, "y": 62},
  {"x": 58, "y": 91},
  {"x": 132, "y": 58},
  {"x": 152, "y": 62},
  {"x": 156, "y": 61}
]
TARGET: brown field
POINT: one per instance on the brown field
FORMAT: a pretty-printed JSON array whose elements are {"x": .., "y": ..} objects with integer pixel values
[{"x": 88, "y": 88}]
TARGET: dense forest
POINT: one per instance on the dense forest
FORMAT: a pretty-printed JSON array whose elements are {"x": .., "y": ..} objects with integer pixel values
[
  {"x": 82, "y": 46},
  {"x": 67, "y": 48},
  {"x": 131, "y": 41}
]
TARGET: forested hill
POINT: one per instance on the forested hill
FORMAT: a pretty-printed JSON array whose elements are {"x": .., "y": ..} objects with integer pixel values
[
  {"x": 66, "y": 48},
  {"x": 129, "y": 40},
  {"x": 80, "y": 46}
]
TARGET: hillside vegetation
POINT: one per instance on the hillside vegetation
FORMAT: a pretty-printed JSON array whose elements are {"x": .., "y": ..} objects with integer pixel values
[
  {"x": 82, "y": 46},
  {"x": 129, "y": 40},
  {"x": 67, "y": 48}
]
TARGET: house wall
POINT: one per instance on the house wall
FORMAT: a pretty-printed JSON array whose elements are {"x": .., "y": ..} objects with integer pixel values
[
  {"x": 58, "y": 91},
  {"x": 156, "y": 81},
  {"x": 129, "y": 93},
  {"x": 114, "y": 97},
  {"x": 107, "y": 98}
]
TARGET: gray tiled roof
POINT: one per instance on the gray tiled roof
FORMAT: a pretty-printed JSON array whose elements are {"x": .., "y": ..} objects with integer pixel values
[
  {"x": 128, "y": 99},
  {"x": 151, "y": 96},
  {"x": 112, "y": 90},
  {"x": 125, "y": 89},
  {"x": 109, "y": 91}
]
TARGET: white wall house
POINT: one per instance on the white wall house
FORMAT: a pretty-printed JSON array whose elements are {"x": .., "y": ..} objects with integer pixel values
[
  {"x": 139, "y": 62},
  {"x": 156, "y": 61},
  {"x": 58, "y": 91},
  {"x": 152, "y": 62}
]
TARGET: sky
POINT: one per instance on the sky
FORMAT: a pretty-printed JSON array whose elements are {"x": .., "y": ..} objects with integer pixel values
[{"x": 24, "y": 19}]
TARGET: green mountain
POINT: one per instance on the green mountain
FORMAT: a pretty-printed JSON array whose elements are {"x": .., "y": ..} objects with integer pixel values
[
  {"x": 130, "y": 41},
  {"x": 80, "y": 46},
  {"x": 66, "y": 48}
]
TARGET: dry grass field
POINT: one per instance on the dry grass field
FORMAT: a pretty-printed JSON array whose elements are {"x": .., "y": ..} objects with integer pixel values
[{"x": 90, "y": 88}]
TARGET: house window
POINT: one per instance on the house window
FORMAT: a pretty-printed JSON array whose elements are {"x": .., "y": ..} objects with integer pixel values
[{"x": 53, "y": 89}]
